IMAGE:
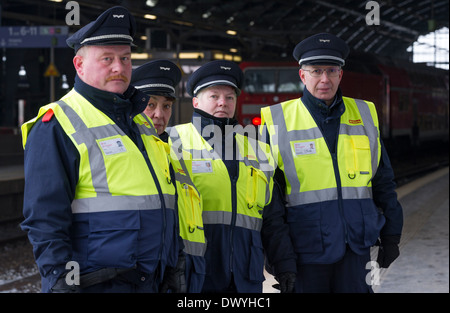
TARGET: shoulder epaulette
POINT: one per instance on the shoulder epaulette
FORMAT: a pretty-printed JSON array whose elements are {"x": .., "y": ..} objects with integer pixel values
[{"x": 48, "y": 116}]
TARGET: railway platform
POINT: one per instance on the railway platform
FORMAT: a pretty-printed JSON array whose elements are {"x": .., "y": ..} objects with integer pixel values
[{"x": 423, "y": 264}]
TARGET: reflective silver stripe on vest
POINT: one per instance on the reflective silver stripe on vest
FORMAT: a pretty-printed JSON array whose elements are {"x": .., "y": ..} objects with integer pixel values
[
  {"x": 311, "y": 196},
  {"x": 284, "y": 147},
  {"x": 196, "y": 154},
  {"x": 356, "y": 192},
  {"x": 221, "y": 217},
  {"x": 149, "y": 131},
  {"x": 371, "y": 132},
  {"x": 194, "y": 248},
  {"x": 88, "y": 136},
  {"x": 119, "y": 203},
  {"x": 184, "y": 179}
]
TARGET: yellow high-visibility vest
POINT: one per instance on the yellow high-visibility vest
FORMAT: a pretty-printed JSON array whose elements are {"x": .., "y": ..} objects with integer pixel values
[
  {"x": 298, "y": 143},
  {"x": 189, "y": 204},
  {"x": 211, "y": 178},
  {"x": 108, "y": 159}
]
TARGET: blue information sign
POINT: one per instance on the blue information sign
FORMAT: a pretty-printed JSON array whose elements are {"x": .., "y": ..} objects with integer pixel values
[{"x": 33, "y": 36}]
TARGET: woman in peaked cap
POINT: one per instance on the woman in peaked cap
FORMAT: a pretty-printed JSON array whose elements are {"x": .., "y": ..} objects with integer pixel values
[
  {"x": 231, "y": 177},
  {"x": 158, "y": 79}
]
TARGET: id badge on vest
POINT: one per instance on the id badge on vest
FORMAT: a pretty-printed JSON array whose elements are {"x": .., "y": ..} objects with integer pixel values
[
  {"x": 304, "y": 147},
  {"x": 112, "y": 146},
  {"x": 202, "y": 166}
]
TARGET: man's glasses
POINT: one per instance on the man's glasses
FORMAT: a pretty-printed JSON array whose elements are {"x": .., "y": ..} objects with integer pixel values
[{"x": 331, "y": 72}]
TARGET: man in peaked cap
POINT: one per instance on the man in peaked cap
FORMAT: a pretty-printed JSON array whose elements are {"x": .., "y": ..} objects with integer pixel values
[
  {"x": 158, "y": 79},
  {"x": 232, "y": 178},
  {"x": 321, "y": 49},
  {"x": 115, "y": 26},
  {"x": 96, "y": 186},
  {"x": 333, "y": 222}
]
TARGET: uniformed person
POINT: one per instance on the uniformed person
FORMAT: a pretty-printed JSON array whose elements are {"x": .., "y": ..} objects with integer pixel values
[
  {"x": 98, "y": 193},
  {"x": 159, "y": 79},
  {"x": 233, "y": 173},
  {"x": 335, "y": 174}
]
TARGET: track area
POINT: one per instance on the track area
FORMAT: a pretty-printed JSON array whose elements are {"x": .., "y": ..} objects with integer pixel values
[{"x": 18, "y": 271}]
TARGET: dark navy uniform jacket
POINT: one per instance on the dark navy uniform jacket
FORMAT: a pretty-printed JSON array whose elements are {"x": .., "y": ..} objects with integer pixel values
[{"x": 48, "y": 217}]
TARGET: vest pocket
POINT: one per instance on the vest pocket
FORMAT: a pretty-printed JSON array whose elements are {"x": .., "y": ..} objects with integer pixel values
[
  {"x": 256, "y": 189},
  {"x": 373, "y": 223},
  {"x": 113, "y": 238},
  {"x": 305, "y": 229},
  {"x": 191, "y": 202},
  {"x": 358, "y": 158}
]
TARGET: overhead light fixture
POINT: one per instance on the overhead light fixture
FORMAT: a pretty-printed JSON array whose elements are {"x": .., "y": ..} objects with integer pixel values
[
  {"x": 231, "y": 32},
  {"x": 150, "y": 16},
  {"x": 233, "y": 50},
  {"x": 206, "y": 15},
  {"x": 64, "y": 83},
  {"x": 180, "y": 9},
  {"x": 191, "y": 55},
  {"x": 22, "y": 71},
  {"x": 151, "y": 3},
  {"x": 229, "y": 57},
  {"x": 55, "y": 0},
  {"x": 140, "y": 56}
]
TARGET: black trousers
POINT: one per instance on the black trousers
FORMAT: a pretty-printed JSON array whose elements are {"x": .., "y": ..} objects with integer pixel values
[
  {"x": 348, "y": 275},
  {"x": 133, "y": 281}
]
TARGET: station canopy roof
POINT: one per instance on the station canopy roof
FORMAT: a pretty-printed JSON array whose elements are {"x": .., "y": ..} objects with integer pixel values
[{"x": 253, "y": 29}]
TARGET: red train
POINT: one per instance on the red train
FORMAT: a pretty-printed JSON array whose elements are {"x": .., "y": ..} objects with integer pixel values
[{"x": 412, "y": 99}]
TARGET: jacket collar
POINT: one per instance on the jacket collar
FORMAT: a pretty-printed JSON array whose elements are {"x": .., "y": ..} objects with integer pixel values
[
  {"x": 132, "y": 101},
  {"x": 208, "y": 119},
  {"x": 318, "y": 106}
]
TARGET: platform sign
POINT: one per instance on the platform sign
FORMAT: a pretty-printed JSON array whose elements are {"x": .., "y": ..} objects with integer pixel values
[
  {"x": 33, "y": 36},
  {"x": 51, "y": 71}
]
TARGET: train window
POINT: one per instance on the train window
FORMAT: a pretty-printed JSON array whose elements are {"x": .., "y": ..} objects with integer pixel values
[
  {"x": 259, "y": 80},
  {"x": 283, "y": 80},
  {"x": 289, "y": 81}
]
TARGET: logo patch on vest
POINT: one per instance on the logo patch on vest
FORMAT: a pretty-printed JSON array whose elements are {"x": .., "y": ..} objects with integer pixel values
[
  {"x": 112, "y": 146},
  {"x": 358, "y": 121},
  {"x": 306, "y": 147}
]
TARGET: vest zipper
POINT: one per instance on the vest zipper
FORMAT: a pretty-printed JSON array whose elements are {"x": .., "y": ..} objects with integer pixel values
[
  {"x": 233, "y": 217},
  {"x": 339, "y": 191},
  {"x": 163, "y": 203}
]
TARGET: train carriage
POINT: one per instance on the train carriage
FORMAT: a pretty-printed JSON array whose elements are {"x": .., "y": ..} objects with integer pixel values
[{"x": 412, "y": 99}]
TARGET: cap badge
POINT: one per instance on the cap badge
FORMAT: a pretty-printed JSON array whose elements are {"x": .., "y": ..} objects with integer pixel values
[
  {"x": 164, "y": 68},
  {"x": 324, "y": 40},
  {"x": 118, "y": 16},
  {"x": 225, "y": 68}
]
